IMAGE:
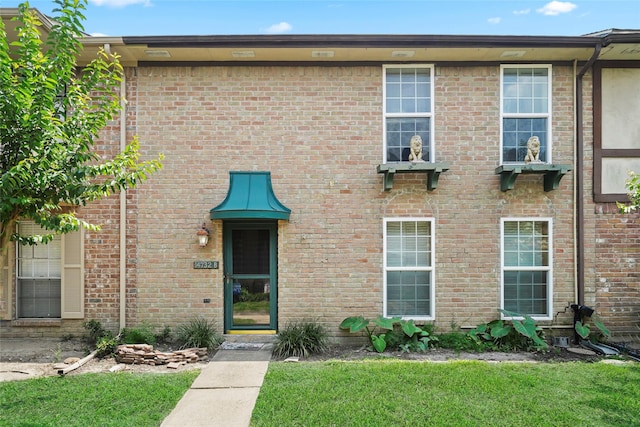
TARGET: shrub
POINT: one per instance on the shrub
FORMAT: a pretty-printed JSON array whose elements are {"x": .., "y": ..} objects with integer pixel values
[
  {"x": 199, "y": 333},
  {"x": 105, "y": 346},
  {"x": 143, "y": 334},
  {"x": 301, "y": 339},
  {"x": 103, "y": 340},
  {"x": 95, "y": 331},
  {"x": 164, "y": 336},
  {"x": 457, "y": 341}
]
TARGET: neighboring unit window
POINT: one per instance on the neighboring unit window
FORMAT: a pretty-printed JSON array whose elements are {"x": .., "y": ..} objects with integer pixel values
[
  {"x": 408, "y": 111},
  {"x": 408, "y": 265},
  {"x": 526, "y": 267},
  {"x": 39, "y": 276},
  {"x": 526, "y": 111},
  {"x": 616, "y": 139}
]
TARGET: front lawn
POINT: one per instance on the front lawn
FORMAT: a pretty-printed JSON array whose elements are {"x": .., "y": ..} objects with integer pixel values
[
  {"x": 114, "y": 399},
  {"x": 462, "y": 393}
]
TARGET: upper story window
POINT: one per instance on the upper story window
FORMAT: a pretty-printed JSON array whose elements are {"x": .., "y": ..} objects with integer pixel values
[
  {"x": 525, "y": 113},
  {"x": 527, "y": 266},
  {"x": 408, "y": 111},
  {"x": 408, "y": 265}
]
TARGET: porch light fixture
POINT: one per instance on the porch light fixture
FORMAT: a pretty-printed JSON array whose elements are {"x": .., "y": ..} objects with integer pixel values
[{"x": 203, "y": 236}]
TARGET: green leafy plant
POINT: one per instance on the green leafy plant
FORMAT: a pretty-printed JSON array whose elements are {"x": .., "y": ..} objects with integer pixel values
[
  {"x": 584, "y": 330},
  {"x": 105, "y": 346},
  {"x": 633, "y": 185},
  {"x": 519, "y": 333},
  {"x": 198, "y": 332},
  {"x": 457, "y": 341},
  {"x": 357, "y": 324},
  {"x": 164, "y": 336},
  {"x": 100, "y": 338},
  {"x": 142, "y": 334},
  {"x": 95, "y": 331},
  {"x": 57, "y": 353},
  {"x": 402, "y": 334},
  {"x": 51, "y": 113},
  {"x": 301, "y": 339}
]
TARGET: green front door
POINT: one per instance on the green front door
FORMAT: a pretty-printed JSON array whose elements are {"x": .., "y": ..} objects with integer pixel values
[{"x": 250, "y": 267}]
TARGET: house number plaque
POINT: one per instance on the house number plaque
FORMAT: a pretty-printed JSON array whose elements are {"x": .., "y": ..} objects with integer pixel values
[{"x": 205, "y": 265}]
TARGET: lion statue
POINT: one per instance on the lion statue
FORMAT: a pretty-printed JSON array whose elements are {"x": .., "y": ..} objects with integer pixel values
[
  {"x": 415, "y": 154},
  {"x": 533, "y": 150}
]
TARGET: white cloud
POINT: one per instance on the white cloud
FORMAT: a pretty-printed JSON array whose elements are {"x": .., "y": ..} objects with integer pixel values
[
  {"x": 280, "y": 28},
  {"x": 120, "y": 3},
  {"x": 494, "y": 21},
  {"x": 99, "y": 35},
  {"x": 522, "y": 12},
  {"x": 556, "y": 8}
]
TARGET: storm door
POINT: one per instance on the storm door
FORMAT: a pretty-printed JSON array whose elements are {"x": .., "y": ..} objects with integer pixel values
[{"x": 250, "y": 267}]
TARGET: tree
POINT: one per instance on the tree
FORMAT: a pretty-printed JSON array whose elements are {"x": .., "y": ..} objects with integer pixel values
[
  {"x": 633, "y": 185},
  {"x": 50, "y": 115}
]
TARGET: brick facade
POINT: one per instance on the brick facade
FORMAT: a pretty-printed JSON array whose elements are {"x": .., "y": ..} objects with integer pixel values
[{"x": 318, "y": 130}]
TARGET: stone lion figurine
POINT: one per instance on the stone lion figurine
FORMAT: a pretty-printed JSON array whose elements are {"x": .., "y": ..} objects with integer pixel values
[
  {"x": 533, "y": 150},
  {"x": 415, "y": 154}
]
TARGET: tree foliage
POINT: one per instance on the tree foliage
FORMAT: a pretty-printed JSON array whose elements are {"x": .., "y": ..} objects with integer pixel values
[
  {"x": 633, "y": 185},
  {"x": 51, "y": 112}
]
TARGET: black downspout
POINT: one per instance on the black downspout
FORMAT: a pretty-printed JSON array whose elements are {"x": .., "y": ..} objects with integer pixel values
[{"x": 579, "y": 176}]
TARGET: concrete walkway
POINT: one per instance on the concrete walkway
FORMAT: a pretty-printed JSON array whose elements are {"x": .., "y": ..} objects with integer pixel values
[{"x": 226, "y": 390}]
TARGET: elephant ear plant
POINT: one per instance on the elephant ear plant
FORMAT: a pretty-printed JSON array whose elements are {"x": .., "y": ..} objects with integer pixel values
[
  {"x": 500, "y": 334},
  {"x": 403, "y": 333}
]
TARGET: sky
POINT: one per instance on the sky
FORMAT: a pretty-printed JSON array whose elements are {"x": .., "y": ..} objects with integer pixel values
[{"x": 253, "y": 17}]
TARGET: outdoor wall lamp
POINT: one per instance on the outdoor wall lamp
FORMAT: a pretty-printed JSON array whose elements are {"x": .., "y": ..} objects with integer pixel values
[{"x": 203, "y": 236}]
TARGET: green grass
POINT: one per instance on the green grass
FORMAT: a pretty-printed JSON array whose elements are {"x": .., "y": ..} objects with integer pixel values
[
  {"x": 114, "y": 399},
  {"x": 463, "y": 393}
]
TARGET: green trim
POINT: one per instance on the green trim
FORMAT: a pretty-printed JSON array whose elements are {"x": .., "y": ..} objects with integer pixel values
[
  {"x": 228, "y": 227},
  {"x": 552, "y": 174},
  {"x": 432, "y": 170},
  {"x": 250, "y": 196}
]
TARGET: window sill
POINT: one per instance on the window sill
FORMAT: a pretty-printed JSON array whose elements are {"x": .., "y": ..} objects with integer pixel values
[
  {"x": 553, "y": 173},
  {"x": 52, "y": 323},
  {"x": 432, "y": 170}
]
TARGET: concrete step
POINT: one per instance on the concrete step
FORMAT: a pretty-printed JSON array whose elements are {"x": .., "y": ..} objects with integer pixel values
[{"x": 250, "y": 338}]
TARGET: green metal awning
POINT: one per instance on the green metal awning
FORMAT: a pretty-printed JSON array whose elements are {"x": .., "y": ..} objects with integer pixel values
[{"x": 250, "y": 196}]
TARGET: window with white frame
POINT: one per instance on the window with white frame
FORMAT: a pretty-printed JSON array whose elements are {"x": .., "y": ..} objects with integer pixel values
[
  {"x": 408, "y": 110},
  {"x": 526, "y": 111},
  {"x": 526, "y": 266},
  {"x": 39, "y": 276},
  {"x": 408, "y": 265}
]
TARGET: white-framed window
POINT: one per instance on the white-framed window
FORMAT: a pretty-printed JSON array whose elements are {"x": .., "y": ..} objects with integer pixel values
[
  {"x": 408, "y": 110},
  {"x": 526, "y": 261},
  {"x": 409, "y": 290},
  {"x": 50, "y": 277},
  {"x": 525, "y": 110},
  {"x": 39, "y": 275}
]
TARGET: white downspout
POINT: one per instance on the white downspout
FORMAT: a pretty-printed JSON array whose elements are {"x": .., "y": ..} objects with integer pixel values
[{"x": 123, "y": 210}]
